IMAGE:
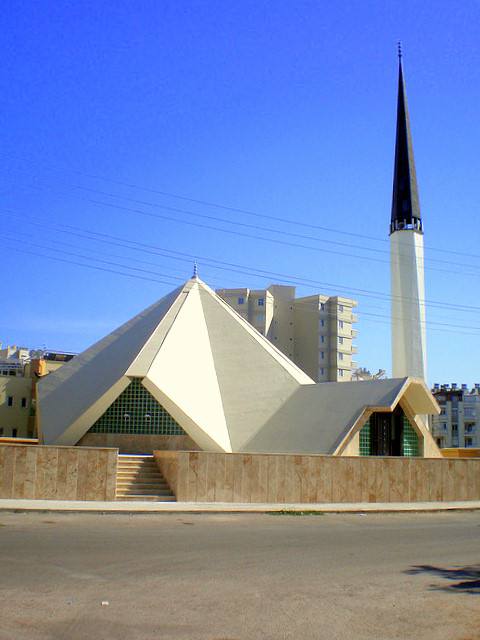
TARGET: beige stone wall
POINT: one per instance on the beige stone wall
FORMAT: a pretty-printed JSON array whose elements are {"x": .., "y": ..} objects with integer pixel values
[
  {"x": 57, "y": 473},
  {"x": 274, "y": 478},
  {"x": 129, "y": 443}
]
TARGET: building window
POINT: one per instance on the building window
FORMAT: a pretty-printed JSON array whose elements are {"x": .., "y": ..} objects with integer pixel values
[
  {"x": 24, "y": 403},
  {"x": 322, "y": 339},
  {"x": 241, "y": 301},
  {"x": 322, "y": 306},
  {"x": 14, "y": 433},
  {"x": 322, "y": 355},
  {"x": 322, "y": 371},
  {"x": 10, "y": 401},
  {"x": 340, "y": 308},
  {"x": 1, "y": 431},
  {"x": 261, "y": 302},
  {"x": 340, "y": 324},
  {"x": 12, "y": 373},
  {"x": 322, "y": 322},
  {"x": 340, "y": 373},
  {"x": 340, "y": 356},
  {"x": 468, "y": 442},
  {"x": 340, "y": 341}
]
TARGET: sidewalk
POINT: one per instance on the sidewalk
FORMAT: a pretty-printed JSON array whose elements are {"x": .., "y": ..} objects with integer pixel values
[{"x": 224, "y": 507}]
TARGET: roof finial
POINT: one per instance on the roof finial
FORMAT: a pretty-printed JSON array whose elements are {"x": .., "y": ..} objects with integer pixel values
[
  {"x": 195, "y": 270},
  {"x": 399, "y": 49}
]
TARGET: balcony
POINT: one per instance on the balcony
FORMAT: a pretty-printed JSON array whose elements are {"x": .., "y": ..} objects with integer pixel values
[
  {"x": 342, "y": 348},
  {"x": 347, "y": 316}
]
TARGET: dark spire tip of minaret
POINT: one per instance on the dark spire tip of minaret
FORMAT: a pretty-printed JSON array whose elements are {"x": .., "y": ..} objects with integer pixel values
[
  {"x": 405, "y": 202},
  {"x": 195, "y": 270}
]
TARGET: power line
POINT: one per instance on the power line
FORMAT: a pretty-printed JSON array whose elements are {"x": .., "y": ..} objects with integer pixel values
[
  {"x": 146, "y": 271},
  {"x": 89, "y": 266},
  {"x": 69, "y": 229},
  {"x": 249, "y": 212},
  {"x": 403, "y": 256}
]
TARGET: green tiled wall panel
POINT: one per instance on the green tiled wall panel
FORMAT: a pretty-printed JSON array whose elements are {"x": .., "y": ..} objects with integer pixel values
[
  {"x": 364, "y": 445},
  {"x": 136, "y": 411},
  {"x": 410, "y": 439}
]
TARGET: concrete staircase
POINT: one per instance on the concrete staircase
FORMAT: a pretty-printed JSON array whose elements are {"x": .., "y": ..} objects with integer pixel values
[{"x": 138, "y": 478}]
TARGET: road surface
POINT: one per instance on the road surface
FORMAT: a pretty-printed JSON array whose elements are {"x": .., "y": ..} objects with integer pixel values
[{"x": 246, "y": 576}]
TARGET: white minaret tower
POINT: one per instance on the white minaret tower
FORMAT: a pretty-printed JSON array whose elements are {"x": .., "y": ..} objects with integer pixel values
[{"x": 409, "y": 348}]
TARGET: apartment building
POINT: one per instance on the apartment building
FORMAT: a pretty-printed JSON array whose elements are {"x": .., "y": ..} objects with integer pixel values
[
  {"x": 20, "y": 368},
  {"x": 458, "y": 424},
  {"x": 316, "y": 332}
]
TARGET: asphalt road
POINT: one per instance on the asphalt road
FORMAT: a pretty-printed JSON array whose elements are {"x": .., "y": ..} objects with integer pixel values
[{"x": 231, "y": 577}]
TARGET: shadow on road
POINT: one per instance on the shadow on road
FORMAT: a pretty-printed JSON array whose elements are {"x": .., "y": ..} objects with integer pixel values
[{"x": 462, "y": 579}]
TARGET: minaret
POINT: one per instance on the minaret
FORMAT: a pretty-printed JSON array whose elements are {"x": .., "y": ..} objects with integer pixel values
[{"x": 409, "y": 356}]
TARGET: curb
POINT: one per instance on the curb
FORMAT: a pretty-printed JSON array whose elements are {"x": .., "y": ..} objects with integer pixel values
[{"x": 131, "y": 508}]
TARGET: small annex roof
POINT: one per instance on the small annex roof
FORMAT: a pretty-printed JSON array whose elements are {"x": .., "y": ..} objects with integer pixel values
[
  {"x": 318, "y": 418},
  {"x": 217, "y": 376}
]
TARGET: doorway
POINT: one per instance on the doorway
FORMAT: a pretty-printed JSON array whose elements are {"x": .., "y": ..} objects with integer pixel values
[{"x": 386, "y": 434}]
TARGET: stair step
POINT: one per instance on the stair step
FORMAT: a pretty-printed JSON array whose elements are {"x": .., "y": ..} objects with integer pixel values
[
  {"x": 138, "y": 498},
  {"x": 144, "y": 480},
  {"x": 139, "y": 478},
  {"x": 142, "y": 488},
  {"x": 140, "y": 472},
  {"x": 141, "y": 481},
  {"x": 133, "y": 488},
  {"x": 137, "y": 465},
  {"x": 138, "y": 469},
  {"x": 147, "y": 492}
]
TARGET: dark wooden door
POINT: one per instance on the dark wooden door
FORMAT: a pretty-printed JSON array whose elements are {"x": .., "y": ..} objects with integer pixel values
[{"x": 386, "y": 434}]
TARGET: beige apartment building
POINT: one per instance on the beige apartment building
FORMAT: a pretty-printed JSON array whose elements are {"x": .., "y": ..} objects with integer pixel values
[
  {"x": 316, "y": 332},
  {"x": 20, "y": 370}
]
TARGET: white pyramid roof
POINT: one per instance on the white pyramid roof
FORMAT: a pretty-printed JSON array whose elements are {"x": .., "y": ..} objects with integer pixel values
[{"x": 218, "y": 377}]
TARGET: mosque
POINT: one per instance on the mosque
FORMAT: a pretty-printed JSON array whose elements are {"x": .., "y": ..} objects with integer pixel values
[{"x": 189, "y": 373}]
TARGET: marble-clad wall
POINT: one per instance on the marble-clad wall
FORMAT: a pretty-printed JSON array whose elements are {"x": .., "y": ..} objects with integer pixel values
[
  {"x": 198, "y": 476},
  {"x": 57, "y": 473},
  {"x": 137, "y": 443}
]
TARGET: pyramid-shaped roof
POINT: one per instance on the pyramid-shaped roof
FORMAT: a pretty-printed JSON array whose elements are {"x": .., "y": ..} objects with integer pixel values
[{"x": 218, "y": 377}]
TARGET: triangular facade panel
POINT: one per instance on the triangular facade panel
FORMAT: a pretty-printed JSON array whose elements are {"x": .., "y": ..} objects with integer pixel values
[
  {"x": 184, "y": 372},
  {"x": 137, "y": 412},
  {"x": 74, "y": 396}
]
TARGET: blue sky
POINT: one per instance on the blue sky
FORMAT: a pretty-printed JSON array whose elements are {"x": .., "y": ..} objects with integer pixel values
[{"x": 284, "y": 109}]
